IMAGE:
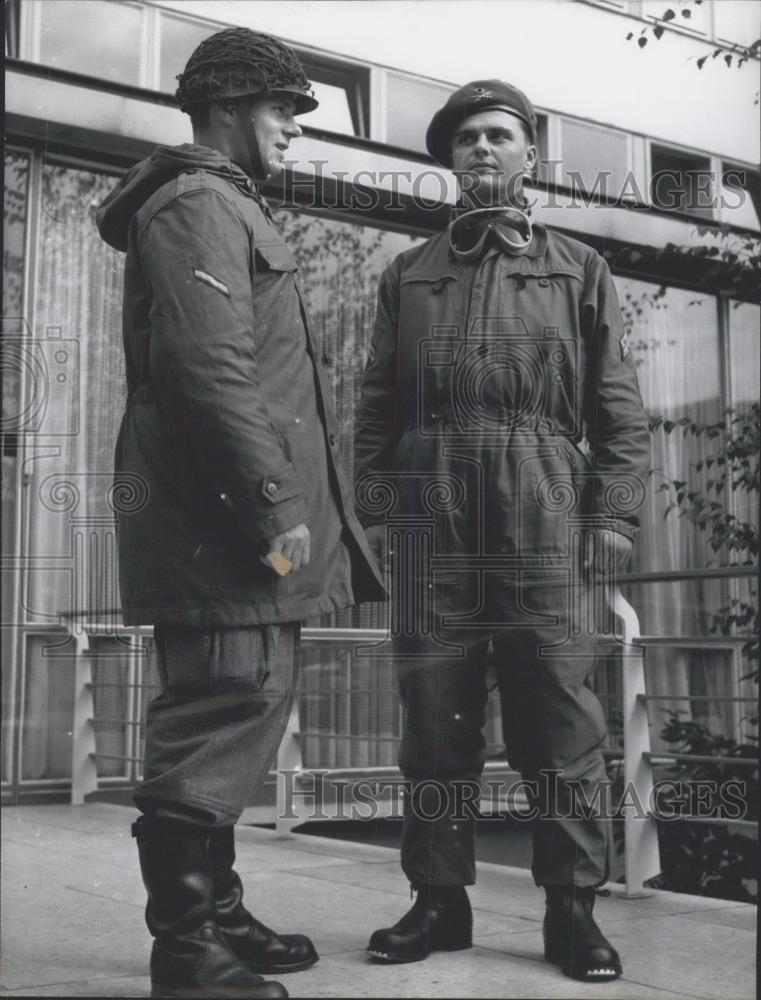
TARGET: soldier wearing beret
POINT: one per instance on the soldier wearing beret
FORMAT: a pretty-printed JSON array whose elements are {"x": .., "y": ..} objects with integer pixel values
[
  {"x": 501, "y": 410},
  {"x": 230, "y": 429}
]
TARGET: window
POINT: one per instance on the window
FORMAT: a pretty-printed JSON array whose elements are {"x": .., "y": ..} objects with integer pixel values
[
  {"x": 12, "y": 25},
  {"x": 343, "y": 91},
  {"x": 14, "y": 364},
  {"x": 735, "y": 21},
  {"x": 740, "y": 196},
  {"x": 410, "y": 105},
  {"x": 179, "y": 38},
  {"x": 681, "y": 181},
  {"x": 594, "y": 158},
  {"x": 691, "y": 16},
  {"x": 95, "y": 37},
  {"x": 675, "y": 341}
]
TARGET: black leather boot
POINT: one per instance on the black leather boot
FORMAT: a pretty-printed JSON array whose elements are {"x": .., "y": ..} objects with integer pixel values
[
  {"x": 258, "y": 947},
  {"x": 190, "y": 958},
  {"x": 573, "y": 940},
  {"x": 440, "y": 920}
]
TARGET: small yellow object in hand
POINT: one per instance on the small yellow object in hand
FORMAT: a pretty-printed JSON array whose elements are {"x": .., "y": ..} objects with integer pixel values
[{"x": 278, "y": 562}]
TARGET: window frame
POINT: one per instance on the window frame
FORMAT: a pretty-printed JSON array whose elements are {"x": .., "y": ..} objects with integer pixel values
[{"x": 685, "y": 153}]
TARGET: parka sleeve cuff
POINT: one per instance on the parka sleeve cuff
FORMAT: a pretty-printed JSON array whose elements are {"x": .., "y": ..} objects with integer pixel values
[{"x": 275, "y": 507}]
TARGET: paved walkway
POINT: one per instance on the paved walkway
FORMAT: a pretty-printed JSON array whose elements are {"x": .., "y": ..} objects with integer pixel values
[{"x": 73, "y": 926}]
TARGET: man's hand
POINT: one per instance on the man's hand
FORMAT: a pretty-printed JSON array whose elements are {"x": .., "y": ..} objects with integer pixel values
[
  {"x": 607, "y": 552},
  {"x": 376, "y": 539},
  {"x": 293, "y": 544}
]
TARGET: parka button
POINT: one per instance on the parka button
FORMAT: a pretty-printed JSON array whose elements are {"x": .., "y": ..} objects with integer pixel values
[
  {"x": 544, "y": 282},
  {"x": 272, "y": 488}
]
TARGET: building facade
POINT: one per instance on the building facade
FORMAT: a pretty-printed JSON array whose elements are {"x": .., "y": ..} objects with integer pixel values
[{"x": 646, "y": 155}]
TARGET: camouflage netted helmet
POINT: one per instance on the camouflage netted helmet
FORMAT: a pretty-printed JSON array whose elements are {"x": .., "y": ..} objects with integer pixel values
[{"x": 238, "y": 62}]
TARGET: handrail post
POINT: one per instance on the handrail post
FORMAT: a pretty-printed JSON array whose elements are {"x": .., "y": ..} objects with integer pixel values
[
  {"x": 288, "y": 760},
  {"x": 84, "y": 771},
  {"x": 641, "y": 853}
]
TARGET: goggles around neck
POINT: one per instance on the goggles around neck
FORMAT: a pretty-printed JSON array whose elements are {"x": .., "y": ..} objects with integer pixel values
[{"x": 469, "y": 231}]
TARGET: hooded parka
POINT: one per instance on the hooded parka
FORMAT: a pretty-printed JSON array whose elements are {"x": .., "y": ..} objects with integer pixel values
[{"x": 229, "y": 437}]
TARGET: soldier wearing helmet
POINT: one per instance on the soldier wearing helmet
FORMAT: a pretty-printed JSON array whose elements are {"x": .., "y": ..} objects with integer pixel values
[
  {"x": 247, "y": 526},
  {"x": 500, "y": 404}
]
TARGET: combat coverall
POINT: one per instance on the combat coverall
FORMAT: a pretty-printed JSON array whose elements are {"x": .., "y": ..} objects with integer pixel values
[{"x": 500, "y": 419}]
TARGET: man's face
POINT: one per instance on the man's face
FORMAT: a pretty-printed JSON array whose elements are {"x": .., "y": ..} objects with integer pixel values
[
  {"x": 493, "y": 142},
  {"x": 269, "y": 121}
]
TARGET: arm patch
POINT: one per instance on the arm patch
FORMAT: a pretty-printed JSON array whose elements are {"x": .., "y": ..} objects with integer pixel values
[{"x": 209, "y": 279}]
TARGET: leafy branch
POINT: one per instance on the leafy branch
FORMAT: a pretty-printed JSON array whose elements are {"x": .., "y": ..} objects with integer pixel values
[
  {"x": 734, "y": 464},
  {"x": 732, "y": 54}
]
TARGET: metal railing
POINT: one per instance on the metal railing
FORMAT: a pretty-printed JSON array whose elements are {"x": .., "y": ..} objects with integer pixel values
[{"x": 641, "y": 853}]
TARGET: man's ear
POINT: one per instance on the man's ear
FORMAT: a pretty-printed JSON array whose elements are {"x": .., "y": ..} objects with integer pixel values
[
  {"x": 532, "y": 154},
  {"x": 225, "y": 112}
]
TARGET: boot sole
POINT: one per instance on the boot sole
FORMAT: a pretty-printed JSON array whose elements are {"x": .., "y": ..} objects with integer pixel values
[
  {"x": 391, "y": 959},
  {"x": 209, "y": 993},
  {"x": 279, "y": 970},
  {"x": 602, "y": 975}
]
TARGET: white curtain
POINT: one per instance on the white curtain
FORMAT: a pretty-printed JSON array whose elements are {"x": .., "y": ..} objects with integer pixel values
[
  {"x": 78, "y": 389},
  {"x": 675, "y": 341}
]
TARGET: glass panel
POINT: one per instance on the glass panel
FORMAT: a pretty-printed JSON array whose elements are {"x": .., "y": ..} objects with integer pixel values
[
  {"x": 67, "y": 33},
  {"x": 745, "y": 355},
  {"x": 334, "y": 113},
  {"x": 48, "y": 715},
  {"x": 340, "y": 264},
  {"x": 597, "y": 157},
  {"x": 737, "y": 204},
  {"x": 675, "y": 341},
  {"x": 71, "y": 537},
  {"x": 14, "y": 353},
  {"x": 149, "y": 687},
  {"x": 745, "y": 383},
  {"x": 411, "y": 104},
  {"x": 112, "y": 698},
  {"x": 179, "y": 38},
  {"x": 693, "y": 17},
  {"x": 735, "y": 21},
  {"x": 681, "y": 183},
  {"x": 745, "y": 352}
]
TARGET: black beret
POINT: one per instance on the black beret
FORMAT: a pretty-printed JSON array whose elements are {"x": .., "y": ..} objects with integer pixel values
[{"x": 481, "y": 95}]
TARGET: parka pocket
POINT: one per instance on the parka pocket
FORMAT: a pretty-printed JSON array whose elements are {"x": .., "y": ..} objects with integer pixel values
[
  {"x": 580, "y": 462},
  {"x": 275, "y": 257},
  {"x": 283, "y": 421}
]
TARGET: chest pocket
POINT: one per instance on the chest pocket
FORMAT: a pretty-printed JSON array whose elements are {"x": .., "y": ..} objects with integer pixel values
[{"x": 274, "y": 257}]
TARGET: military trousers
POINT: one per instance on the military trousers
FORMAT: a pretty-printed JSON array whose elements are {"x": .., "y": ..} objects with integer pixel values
[
  {"x": 543, "y": 645},
  {"x": 215, "y": 728}
]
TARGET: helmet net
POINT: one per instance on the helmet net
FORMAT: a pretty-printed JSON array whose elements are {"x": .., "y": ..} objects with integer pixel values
[{"x": 238, "y": 57}]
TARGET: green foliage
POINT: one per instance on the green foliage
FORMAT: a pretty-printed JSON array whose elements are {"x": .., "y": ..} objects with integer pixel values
[{"x": 708, "y": 859}]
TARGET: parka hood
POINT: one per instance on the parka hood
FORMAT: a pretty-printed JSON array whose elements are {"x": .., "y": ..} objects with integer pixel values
[{"x": 145, "y": 178}]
